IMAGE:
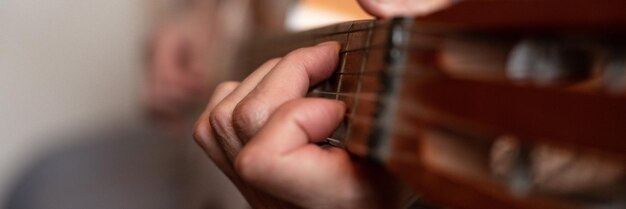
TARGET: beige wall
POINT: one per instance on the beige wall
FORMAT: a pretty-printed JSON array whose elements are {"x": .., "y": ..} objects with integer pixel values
[{"x": 63, "y": 63}]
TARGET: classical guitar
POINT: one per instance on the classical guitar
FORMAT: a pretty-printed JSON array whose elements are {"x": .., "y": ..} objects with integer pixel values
[{"x": 429, "y": 97}]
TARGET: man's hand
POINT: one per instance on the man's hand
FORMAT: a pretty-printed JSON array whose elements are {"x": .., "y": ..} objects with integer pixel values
[{"x": 261, "y": 133}]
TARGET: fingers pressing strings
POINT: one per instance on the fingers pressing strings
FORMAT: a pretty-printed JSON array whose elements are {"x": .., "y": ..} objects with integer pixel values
[
  {"x": 221, "y": 116},
  {"x": 203, "y": 134},
  {"x": 281, "y": 153},
  {"x": 234, "y": 105},
  {"x": 290, "y": 79}
]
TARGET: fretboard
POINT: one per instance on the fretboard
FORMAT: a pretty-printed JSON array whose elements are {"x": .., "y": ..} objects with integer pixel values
[{"x": 361, "y": 72}]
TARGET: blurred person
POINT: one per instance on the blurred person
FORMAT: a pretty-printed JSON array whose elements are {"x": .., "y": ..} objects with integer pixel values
[
  {"x": 134, "y": 163},
  {"x": 190, "y": 52}
]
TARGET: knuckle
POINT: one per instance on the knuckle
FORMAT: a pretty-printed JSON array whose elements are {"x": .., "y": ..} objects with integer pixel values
[
  {"x": 246, "y": 117},
  {"x": 292, "y": 105},
  {"x": 201, "y": 129},
  {"x": 201, "y": 134},
  {"x": 226, "y": 86},
  {"x": 246, "y": 165},
  {"x": 299, "y": 56},
  {"x": 206, "y": 140},
  {"x": 241, "y": 164},
  {"x": 220, "y": 120},
  {"x": 291, "y": 108},
  {"x": 297, "y": 52},
  {"x": 273, "y": 61}
]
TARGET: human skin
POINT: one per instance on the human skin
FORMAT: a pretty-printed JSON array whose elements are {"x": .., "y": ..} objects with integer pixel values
[{"x": 390, "y": 8}]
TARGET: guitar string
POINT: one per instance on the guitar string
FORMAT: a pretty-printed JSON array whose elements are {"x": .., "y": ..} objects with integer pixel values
[
  {"x": 366, "y": 48},
  {"x": 369, "y": 27},
  {"x": 341, "y": 68},
  {"x": 314, "y": 36},
  {"x": 357, "y": 96},
  {"x": 412, "y": 47},
  {"x": 372, "y": 25},
  {"x": 424, "y": 71},
  {"x": 358, "y": 87},
  {"x": 343, "y": 60},
  {"x": 370, "y": 97}
]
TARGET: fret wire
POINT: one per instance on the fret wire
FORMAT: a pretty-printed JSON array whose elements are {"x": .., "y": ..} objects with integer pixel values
[
  {"x": 313, "y": 36},
  {"x": 343, "y": 60},
  {"x": 335, "y": 142},
  {"x": 431, "y": 72},
  {"x": 359, "y": 82},
  {"x": 391, "y": 74},
  {"x": 322, "y": 35},
  {"x": 366, "y": 48},
  {"x": 348, "y": 31},
  {"x": 415, "y": 47}
]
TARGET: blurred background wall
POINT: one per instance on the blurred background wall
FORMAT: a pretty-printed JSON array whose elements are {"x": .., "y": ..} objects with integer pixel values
[{"x": 64, "y": 63}]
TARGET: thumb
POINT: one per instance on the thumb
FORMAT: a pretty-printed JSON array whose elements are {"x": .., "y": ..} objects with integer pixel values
[
  {"x": 391, "y": 8},
  {"x": 281, "y": 159},
  {"x": 297, "y": 124}
]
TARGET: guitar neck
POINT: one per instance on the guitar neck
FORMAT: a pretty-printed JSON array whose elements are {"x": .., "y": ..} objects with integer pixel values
[
  {"x": 366, "y": 50},
  {"x": 375, "y": 55},
  {"x": 349, "y": 35}
]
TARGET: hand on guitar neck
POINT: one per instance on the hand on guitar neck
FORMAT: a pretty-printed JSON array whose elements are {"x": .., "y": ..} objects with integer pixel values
[{"x": 261, "y": 131}]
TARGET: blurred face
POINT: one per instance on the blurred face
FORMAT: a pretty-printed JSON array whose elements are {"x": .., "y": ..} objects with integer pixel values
[
  {"x": 179, "y": 74},
  {"x": 193, "y": 53}
]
